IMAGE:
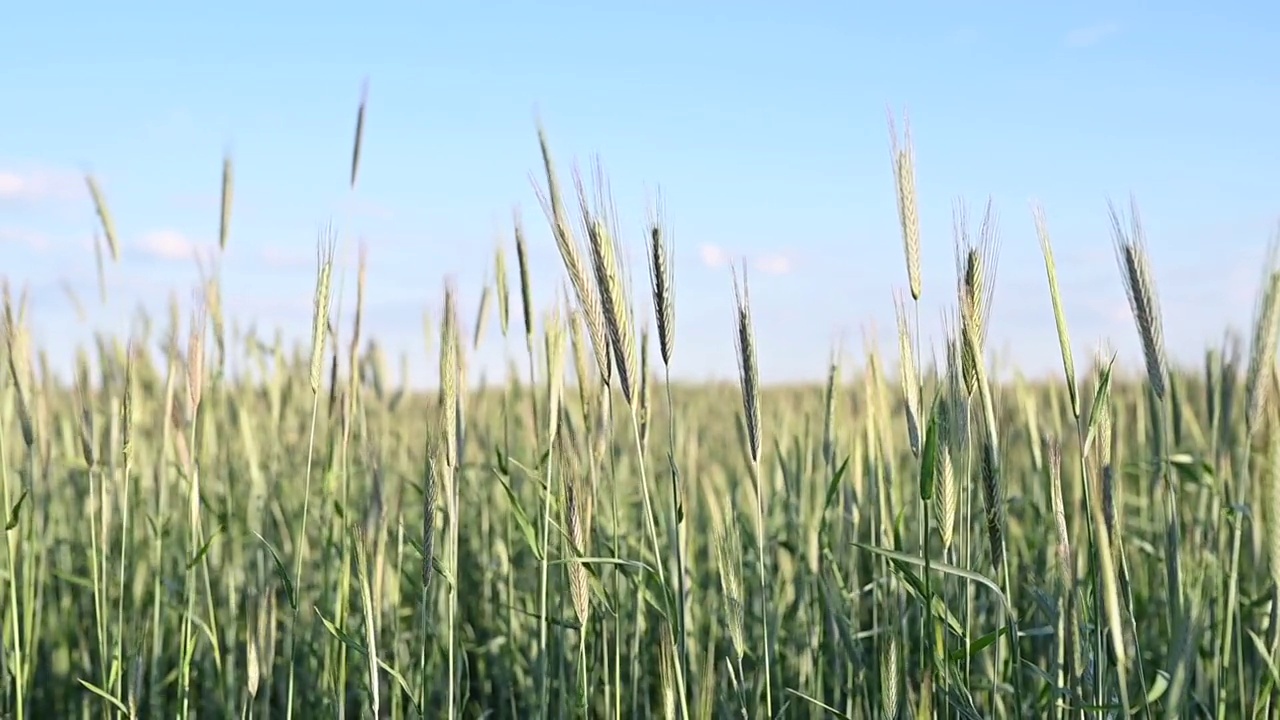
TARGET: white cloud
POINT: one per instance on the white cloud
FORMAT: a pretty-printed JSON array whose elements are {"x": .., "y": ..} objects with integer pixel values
[
  {"x": 965, "y": 36},
  {"x": 282, "y": 259},
  {"x": 774, "y": 264},
  {"x": 713, "y": 256},
  {"x": 20, "y": 236},
  {"x": 1090, "y": 35},
  {"x": 11, "y": 184},
  {"x": 168, "y": 245},
  {"x": 363, "y": 207},
  {"x": 37, "y": 184}
]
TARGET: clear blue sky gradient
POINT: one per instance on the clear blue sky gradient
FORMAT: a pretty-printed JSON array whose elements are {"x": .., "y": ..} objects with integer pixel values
[{"x": 763, "y": 124}]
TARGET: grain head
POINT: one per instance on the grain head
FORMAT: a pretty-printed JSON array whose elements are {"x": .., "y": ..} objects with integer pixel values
[
  {"x": 748, "y": 371},
  {"x": 1139, "y": 285},
  {"x": 662, "y": 278},
  {"x": 904, "y": 178}
]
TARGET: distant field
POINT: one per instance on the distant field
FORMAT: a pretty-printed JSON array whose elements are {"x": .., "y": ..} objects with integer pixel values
[{"x": 313, "y": 540}]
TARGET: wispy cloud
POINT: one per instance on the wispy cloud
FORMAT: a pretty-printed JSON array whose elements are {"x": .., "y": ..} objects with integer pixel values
[
  {"x": 168, "y": 245},
  {"x": 38, "y": 184},
  {"x": 24, "y": 237},
  {"x": 965, "y": 36},
  {"x": 11, "y": 184},
  {"x": 713, "y": 256},
  {"x": 774, "y": 264},
  {"x": 1090, "y": 35},
  {"x": 279, "y": 258},
  {"x": 364, "y": 207}
]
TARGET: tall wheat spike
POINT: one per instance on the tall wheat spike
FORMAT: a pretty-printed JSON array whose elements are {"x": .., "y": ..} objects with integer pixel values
[
  {"x": 1262, "y": 352},
  {"x": 228, "y": 188},
  {"x": 1139, "y": 285},
  {"x": 975, "y": 284},
  {"x": 904, "y": 177},
  {"x": 611, "y": 285},
  {"x": 574, "y": 261},
  {"x": 909, "y": 378},
  {"x": 1271, "y": 497},
  {"x": 104, "y": 216},
  {"x": 358, "y": 144},
  {"x": 662, "y": 275}
]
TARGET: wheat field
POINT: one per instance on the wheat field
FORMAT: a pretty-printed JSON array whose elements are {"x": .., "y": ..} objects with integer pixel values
[{"x": 587, "y": 539}]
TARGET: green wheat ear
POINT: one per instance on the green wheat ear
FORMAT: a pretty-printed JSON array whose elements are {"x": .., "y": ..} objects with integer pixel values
[
  {"x": 228, "y": 190},
  {"x": 358, "y": 143}
]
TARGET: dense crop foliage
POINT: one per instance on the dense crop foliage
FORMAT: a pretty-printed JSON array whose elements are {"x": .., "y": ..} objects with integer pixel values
[{"x": 312, "y": 538}]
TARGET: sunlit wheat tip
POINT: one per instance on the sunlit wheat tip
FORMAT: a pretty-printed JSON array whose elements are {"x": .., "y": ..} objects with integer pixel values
[
  {"x": 614, "y": 304},
  {"x": 320, "y": 308},
  {"x": 904, "y": 177},
  {"x": 449, "y": 377},
  {"x": 1059, "y": 315},
  {"x": 553, "y": 200},
  {"x": 196, "y": 356},
  {"x": 575, "y": 263}
]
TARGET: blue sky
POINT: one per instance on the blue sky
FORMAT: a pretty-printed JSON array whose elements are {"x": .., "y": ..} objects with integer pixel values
[{"x": 763, "y": 124}]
